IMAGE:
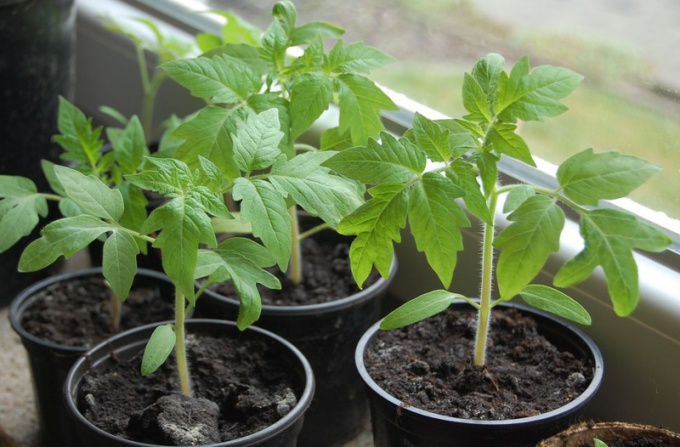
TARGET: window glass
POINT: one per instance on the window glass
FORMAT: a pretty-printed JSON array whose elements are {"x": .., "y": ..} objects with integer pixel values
[{"x": 626, "y": 49}]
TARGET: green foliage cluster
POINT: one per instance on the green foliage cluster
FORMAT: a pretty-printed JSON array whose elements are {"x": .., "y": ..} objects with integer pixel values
[
  {"x": 464, "y": 177},
  {"x": 239, "y": 149}
]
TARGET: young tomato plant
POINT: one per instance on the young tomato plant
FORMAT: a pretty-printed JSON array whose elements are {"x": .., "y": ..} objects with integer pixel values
[
  {"x": 164, "y": 47},
  {"x": 240, "y": 146},
  {"x": 262, "y": 94},
  {"x": 465, "y": 153}
]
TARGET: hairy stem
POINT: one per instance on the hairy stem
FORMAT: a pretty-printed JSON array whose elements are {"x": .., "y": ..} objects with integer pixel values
[
  {"x": 180, "y": 347},
  {"x": 485, "y": 304},
  {"x": 295, "y": 255}
]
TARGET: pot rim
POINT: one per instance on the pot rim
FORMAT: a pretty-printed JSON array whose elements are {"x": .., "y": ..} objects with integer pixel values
[
  {"x": 26, "y": 297},
  {"x": 303, "y": 403},
  {"x": 572, "y": 406},
  {"x": 308, "y": 309},
  {"x": 590, "y": 430}
]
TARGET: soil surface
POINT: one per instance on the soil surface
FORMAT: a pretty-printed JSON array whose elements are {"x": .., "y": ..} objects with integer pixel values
[
  {"x": 240, "y": 386},
  {"x": 428, "y": 365},
  {"x": 78, "y": 312},
  {"x": 327, "y": 275}
]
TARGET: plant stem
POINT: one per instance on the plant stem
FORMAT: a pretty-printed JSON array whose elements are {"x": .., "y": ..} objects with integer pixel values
[
  {"x": 115, "y": 313},
  {"x": 180, "y": 348},
  {"x": 295, "y": 255},
  {"x": 313, "y": 231},
  {"x": 484, "y": 312}
]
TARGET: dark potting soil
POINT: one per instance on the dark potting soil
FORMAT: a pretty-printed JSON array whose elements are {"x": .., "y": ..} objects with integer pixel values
[
  {"x": 428, "y": 365},
  {"x": 78, "y": 312},
  {"x": 240, "y": 386},
  {"x": 327, "y": 276}
]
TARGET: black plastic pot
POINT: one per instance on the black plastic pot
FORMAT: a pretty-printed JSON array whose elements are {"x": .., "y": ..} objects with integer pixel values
[
  {"x": 396, "y": 424},
  {"x": 50, "y": 362},
  {"x": 327, "y": 335},
  {"x": 36, "y": 66},
  {"x": 131, "y": 343}
]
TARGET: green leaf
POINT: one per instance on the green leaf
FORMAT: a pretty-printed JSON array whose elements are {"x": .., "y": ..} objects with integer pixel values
[
  {"x": 20, "y": 209},
  {"x": 183, "y": 228},
  {"x": 264, "y": 207},
  {"x": 310, "y": 97},
  {"x": 315, "y": 188},
  {"x": 37, "y": 255},
  {"x": 463, "y": 135},
  {"x": 243, "y": 269},
  {"x": 210, "y": 176},
  {"x": 475, "y": 101},
  {"x": 307, "y": 32},
  {"x": 504, "y": 140},
  {"x": 237, "y": 30},
  {"x": 526, "y": 244},
  {"x": 266, "y": 101},
  {"x": 538, "y": 94},
  {"x": 419, "y": 308},
  {"x": 208, "y": 41},
  {"x": 487, "y": 72},
  {"x": 119, "y": 262},
  {"x": 333, "y": 140},
  {"x": 48, "y": 169},
  {"x": 376, "y": 223},
  {"x": 588, "y": 178},
  {"x": 431, "y": 138},
  {"x": 208, "y": 135},
  {"x": 355, "y": 58},
  {"x": 487, "y": 164},
  {"x": 599, "y": 443},
  {"x": 249, "y": 249},
  {"x": 285, "y": 16},
  {"x": 553, "y": 301},
  {"x": 65, "y": 236},
  {"x": 167, "y": 176},
  {"x": 361, "y": 103},
  {"x": 220, "y": 78},
  {"x": 516, "y": 197},
  {"x": 435, "y": 220},
  {"x": 256, "y": 141},
  {"x": 158, "y": 348},
  {"x": 387, "y": 161},
  {"x": 129, "y": 147},
  {"x": 90, "y": 194},
  {"x": 210, "y": 202},
  {"x": 463, "y": 174},
  {"x": 275, "y": 43},
  {"x": 80, "y": 141},
  {"x": 610, "y": 236},
  {"x": 115, "y": 114}
]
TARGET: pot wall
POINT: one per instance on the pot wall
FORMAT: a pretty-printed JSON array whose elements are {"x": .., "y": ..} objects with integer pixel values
[
  {"x": 50, "y": 362},
  {"x": 396, "y": 424},
  {"x": 131, "y": 343}
]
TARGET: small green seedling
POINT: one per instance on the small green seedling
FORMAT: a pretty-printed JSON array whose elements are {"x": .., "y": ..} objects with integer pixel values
[
  {"x": 599, "y": 443},
  {"x": 437, "y": 201}
]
